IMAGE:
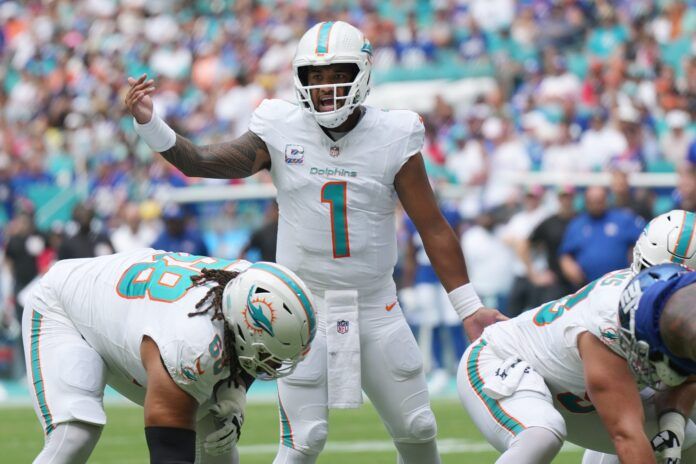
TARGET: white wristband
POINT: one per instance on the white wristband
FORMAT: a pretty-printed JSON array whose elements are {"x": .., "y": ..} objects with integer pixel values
[
  {"x": 156, "y": 133},
  {"x": 465, "y": 300}
]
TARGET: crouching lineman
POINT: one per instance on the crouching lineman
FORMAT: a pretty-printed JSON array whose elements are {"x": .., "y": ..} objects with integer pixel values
[
  {"x": 562, "y": 370},
  {"x": 669, "y": 238},
  {"x": 182, "y": 335}
]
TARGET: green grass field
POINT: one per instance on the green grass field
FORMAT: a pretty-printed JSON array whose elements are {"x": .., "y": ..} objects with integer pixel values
[{"x": 355, "y": 436}]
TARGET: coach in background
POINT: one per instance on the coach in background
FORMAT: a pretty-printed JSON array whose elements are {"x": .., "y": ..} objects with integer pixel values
[{"x": 599, "y": 240}]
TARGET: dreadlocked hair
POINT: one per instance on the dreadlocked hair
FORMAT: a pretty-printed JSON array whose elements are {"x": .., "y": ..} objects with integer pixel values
[{"x": 213, "y": 299}]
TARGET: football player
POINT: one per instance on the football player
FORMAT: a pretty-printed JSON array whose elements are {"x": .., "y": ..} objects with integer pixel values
[
  {"x": 571, "y": 369},
  {"x": 339, "y": 168},
  {"x": 181, "y": 335},
  {"x": 670, "y": 237}
]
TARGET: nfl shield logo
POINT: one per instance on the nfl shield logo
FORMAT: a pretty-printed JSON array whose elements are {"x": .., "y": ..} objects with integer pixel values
[
  {"x": 342, "y": 326},
  {"x": 334, "y": 151}
]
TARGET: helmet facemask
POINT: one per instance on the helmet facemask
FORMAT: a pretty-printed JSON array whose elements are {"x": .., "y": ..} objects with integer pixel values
[
  {"x": 265, "y": 366},
  {"x": 333, "y": 43},
  {"x": 344, "y": 105},
  {"x": 639, "y": 262},
  {"x": 649, "y": 367}
]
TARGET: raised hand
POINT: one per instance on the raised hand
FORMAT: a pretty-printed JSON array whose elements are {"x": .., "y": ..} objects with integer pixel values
[{"x": 138, "y": 99}]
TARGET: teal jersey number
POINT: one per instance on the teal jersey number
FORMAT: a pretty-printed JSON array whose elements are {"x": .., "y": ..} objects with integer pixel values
[
  {"x": 166, "y": 278},
  {"x": 552, "y": 310},
  {"x": 334, "y": 193},
  {"x": 575, "y": 404},
  {"x": 555, "y": 309}
]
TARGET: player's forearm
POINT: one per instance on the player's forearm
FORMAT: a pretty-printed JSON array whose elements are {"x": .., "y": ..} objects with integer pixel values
[
  {"x": 230, "y": 160},
  {"x": 633, "y": 448},
  {"x": 446, "y": 256}
]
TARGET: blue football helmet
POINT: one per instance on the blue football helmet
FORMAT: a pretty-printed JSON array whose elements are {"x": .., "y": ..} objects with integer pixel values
[{"x": 651, "y": 365}]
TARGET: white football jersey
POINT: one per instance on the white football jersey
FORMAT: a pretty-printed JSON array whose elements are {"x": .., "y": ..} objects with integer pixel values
[
  {"x": 546, "y": 336},
  {"x": 115, "y": 300},
  {"x": 336, "y": 198}
]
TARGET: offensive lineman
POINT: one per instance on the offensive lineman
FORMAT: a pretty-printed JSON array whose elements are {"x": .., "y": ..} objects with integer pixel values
[
  {"x": 339, "y": 168},
  {"x": 553, "y": 372},
  {"x": 182, "y": 335},
  {"x": 668, "y": 238}
]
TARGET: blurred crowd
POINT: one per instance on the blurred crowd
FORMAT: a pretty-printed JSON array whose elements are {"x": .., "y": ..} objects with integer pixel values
[{"x": 578, "y": 86}]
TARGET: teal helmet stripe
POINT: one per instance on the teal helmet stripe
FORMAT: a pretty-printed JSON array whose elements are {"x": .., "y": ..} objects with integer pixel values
[
  {"x": 687, "y": 233},
  {"x": 323, "y": 38},
  {"x": 296, "y": 289}
]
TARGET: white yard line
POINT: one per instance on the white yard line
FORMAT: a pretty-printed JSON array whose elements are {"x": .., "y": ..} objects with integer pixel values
[{"x": 444, "y": 446}]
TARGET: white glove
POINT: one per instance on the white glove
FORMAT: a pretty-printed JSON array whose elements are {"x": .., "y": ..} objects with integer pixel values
[
  {"x": 228, "y": 414},
  {"x": 668, "y": 441}
]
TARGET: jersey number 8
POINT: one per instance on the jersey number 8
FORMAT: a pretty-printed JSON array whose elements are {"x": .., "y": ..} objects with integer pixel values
[{"x": 166, "y": 278}]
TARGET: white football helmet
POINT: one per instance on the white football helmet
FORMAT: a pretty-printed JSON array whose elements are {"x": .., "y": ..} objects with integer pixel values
[
  {"x": 271, "y": 314},
  {"x": 329, "y": 43},
  {"x": 668, "y": 238}
]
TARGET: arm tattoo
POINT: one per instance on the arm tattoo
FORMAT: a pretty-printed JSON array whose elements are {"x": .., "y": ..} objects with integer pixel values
[{"x": 239, "y": 158}]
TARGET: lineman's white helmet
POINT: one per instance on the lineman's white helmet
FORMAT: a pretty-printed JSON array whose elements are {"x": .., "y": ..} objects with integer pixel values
[
  {"x": 329, "y": 43},
  {"x": 271, "y": 313},
  {"x": 668, "y": 238}
]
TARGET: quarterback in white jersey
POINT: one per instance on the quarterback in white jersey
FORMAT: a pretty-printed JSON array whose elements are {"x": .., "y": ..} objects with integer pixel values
[
  {"x": 141, "y": 322},
  {"x": 553, "y": 374},
  {"x": 339, "y": 168}
]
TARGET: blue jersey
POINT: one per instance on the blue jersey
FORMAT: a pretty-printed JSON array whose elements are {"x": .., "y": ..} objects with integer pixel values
[
  {"x": 601, "y": 245},
  {"x": 424, "y": 270}
]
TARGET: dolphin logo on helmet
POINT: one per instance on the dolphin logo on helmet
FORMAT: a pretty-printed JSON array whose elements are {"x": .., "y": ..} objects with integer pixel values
[{"x": 256, "y": 313}]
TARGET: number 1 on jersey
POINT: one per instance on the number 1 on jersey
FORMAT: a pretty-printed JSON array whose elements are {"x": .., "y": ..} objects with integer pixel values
[{"x": 334, "y": 193}]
